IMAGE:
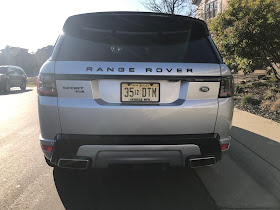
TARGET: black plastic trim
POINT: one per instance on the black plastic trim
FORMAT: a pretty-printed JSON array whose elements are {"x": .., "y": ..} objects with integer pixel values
[
  {"x": 216, "y": 51},
  {"x": 67, "y": 145},
  {"x": 72, "y": 19}
]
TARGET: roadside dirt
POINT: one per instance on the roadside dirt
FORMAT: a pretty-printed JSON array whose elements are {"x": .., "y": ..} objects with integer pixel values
[{"x": 260, "y": 97}]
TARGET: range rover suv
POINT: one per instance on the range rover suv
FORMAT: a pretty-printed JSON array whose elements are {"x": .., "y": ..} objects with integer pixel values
[
  {"x": 12, "y": 76},
  {"x": 129, "y": 88}
]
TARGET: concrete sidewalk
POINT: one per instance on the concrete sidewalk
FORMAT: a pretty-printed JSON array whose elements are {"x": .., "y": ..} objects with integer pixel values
[
  {"x": 248, "y": 176},
  {"x": 256, "y": 124},
  {"x": 260, "y": 135}
]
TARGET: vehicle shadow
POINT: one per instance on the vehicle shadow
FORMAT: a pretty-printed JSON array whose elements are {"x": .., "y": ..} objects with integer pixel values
[
  {"x": 266, "y": 148},
  {"x": 132, "y": 189},
  {"x": 17, "y": 91},
  {"x": 248, "y": 175}
]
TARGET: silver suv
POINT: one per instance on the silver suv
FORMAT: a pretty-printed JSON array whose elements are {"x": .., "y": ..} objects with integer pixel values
[{"x": 130, "y": 88}]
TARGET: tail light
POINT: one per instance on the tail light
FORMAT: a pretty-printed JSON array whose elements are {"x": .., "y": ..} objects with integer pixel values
[
  {"x": 46, "y": 85},
  {"x": 226, "y": 87}
]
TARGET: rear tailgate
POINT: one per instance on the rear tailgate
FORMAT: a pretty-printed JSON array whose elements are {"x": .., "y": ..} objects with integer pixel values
[{"x": 93, "y": 72}]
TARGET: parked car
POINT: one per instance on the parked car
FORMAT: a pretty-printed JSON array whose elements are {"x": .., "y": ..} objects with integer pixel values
[
  {"x": 12, "y": 76},
  {"x": 128, "y": 88}
]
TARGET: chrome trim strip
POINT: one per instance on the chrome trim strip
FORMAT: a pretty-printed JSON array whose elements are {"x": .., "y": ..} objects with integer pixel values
[
  {"x": 44, "y": 141},
  {"x": 104, "y": 103},
  {"x": 225, "y": 140},
  {"x": 90, "y": 77}
]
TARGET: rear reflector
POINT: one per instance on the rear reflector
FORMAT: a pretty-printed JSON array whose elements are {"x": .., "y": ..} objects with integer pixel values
[
  {"x": 224, "y": 147},
  {"x": 47, "y": 148}
]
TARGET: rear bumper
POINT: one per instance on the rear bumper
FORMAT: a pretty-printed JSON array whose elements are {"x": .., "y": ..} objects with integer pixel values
[{"x": 106, "y": 151}]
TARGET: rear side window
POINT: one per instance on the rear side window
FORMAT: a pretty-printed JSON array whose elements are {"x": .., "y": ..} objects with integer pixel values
[
  {"x": 192, "y": 50},
  {"x": 20, "y": 71}
]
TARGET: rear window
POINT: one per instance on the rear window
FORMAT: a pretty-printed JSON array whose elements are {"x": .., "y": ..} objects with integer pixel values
[
  {"x": 3, "y": 70},
  {"x": 135, "y": 39},
  {"x": 195, "y": 50}
]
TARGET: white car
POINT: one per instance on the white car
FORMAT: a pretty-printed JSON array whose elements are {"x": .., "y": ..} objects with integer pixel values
[{"x": 130, "y": 88}]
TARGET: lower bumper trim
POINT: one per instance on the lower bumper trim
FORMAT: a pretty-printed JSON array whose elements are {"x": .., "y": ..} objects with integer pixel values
[{"x": 69, "y": 146}]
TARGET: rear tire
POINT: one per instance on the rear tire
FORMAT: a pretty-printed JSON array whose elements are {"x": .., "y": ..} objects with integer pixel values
[
  {"x": 7, "y": 87},
  {"x": 23, "y": 85},
  {"x": 49, "y": 163}
]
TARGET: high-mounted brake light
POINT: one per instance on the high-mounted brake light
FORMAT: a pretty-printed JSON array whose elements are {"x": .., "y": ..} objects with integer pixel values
[
  {"x": 46, "y": 85},
  {"x": 226, "y": 87}
]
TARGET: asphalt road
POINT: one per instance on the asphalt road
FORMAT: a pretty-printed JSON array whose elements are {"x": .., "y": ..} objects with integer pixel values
[{"x": 248, "y": 177}]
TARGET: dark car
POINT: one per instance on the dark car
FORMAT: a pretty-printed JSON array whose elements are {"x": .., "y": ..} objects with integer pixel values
[{"x": 12, "y": 76}]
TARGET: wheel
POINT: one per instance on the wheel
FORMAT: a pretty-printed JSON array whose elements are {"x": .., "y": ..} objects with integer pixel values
[
  {"x": 7, "y": 87},
  {"x": 49, "y": 163},
  {"x": 23, "y": 85}
]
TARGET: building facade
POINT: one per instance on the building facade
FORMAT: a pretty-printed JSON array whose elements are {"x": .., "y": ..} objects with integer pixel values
[{"x": 207, "y": 9}]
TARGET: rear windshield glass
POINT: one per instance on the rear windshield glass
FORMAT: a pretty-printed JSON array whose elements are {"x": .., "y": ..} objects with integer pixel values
[
  {"x": 3, "y": 70},
  {"x": 194, "y": 50}
]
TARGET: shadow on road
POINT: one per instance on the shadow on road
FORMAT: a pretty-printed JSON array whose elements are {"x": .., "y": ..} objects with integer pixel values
[
  {"x": 246, "y": 177},
  {"x": 132, "y": 189},
  {"x": 16, "y": 92},
  {"x": 265, "y": 148}
]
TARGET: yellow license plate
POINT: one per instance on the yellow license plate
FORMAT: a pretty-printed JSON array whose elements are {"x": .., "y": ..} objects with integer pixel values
[{"x": 140, "y": 92}]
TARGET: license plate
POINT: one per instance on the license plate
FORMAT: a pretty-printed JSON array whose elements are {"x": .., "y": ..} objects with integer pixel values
[{"x": 140, "y": 92}]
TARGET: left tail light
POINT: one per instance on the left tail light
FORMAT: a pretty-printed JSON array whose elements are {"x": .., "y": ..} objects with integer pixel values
[{"x": 46, "y": 85}]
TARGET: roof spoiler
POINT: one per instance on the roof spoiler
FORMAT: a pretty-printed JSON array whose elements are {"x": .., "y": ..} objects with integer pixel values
[{"x": 132, "y": 23}]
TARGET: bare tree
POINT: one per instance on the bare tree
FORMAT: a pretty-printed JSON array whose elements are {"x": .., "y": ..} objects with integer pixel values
[{"x": 183, "y": 7}]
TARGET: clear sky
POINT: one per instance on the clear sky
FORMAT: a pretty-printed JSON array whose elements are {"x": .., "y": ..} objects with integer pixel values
[{"x": 34, "y": 24}]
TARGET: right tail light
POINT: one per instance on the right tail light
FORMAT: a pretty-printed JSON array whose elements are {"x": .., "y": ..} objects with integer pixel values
[{"x": 226, "y": 87}]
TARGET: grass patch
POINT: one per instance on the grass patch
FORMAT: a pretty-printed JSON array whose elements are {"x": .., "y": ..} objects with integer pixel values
[
  {"x": 258, "y": 84},
  {"x": 250, "y": 100},
  {"x": 271, "y": 93},
  {"x": 238, "y": 88},
  {"x": 248, "y": 85},
  {"x": 31, "y": 82},
  {"x": 265, "y": 104},
  {"x": 274, "y": 80},
  {"x": 275, "y": 106},
  {"x": 268, "y": 95}
]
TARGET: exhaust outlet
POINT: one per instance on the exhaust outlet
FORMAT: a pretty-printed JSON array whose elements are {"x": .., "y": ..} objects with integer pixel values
[
  {"x": 81, "y": 164},
  {"x": 202, "y": 161}
]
